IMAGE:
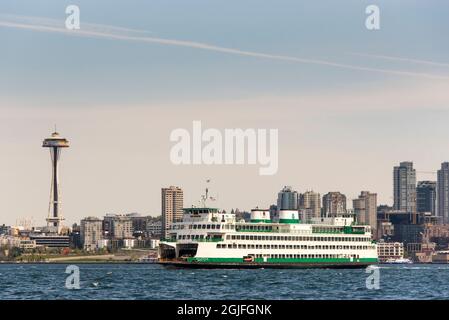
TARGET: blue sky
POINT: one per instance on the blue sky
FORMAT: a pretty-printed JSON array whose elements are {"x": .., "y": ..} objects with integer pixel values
[{"x": 103, "y": 89}]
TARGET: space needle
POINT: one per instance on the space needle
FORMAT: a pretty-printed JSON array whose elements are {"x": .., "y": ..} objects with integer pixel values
[{"x": 55, "y": 143}]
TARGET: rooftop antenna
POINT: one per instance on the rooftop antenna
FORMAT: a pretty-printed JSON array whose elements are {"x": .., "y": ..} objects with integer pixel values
[{"x": 206, "y": 196}]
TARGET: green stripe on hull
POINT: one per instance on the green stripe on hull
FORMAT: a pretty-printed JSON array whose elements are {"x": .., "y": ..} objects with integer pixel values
[
  {"x": 288, "y": 220},
  {"x": 284, "y": 260}
]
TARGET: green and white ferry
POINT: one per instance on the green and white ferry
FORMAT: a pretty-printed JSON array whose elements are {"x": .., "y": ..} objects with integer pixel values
[{"x": 207, "y": 237}]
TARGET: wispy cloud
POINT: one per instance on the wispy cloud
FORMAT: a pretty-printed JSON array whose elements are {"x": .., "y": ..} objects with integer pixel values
[
  {"x": 124, "y": 34},
  {"x": 42, "y": 21},
  {"x": 402, "y": 59}
]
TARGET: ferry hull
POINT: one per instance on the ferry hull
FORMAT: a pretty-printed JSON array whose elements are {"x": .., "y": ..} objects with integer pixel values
[{"x": 266, "y": 265}]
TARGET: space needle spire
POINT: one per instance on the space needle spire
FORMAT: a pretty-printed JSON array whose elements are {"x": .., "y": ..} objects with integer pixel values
[{"x": 55, "y": 143}]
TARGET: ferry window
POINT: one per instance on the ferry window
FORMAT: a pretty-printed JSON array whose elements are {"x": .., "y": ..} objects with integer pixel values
[
  {"x": 213, "y": 226},
  {"x": 233, "y": 237},
  {"x": 208, "y": 226}
]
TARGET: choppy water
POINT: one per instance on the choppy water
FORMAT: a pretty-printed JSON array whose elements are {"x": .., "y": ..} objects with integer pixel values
[{"x": 149, "y": 281}]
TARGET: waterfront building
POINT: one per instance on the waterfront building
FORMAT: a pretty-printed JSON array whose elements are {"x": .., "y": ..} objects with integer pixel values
[
  {"x": 426, "y": 196},
  {"x": 441, "y": 257},
  {"x": 365, "y": 209},
  {"x": 443, "y": 192},
  {"x": 287, "y": 199},
  {"x": 390, "y": 250},
  {"x": 334, "y": 204},
  {"x": 172, "y": 205},
  {"x": 311, "y": 201},
  {"x": 404, "y": 186},
  {"x": 91, "y": 231},
  {"x": 51, "y": 240}
]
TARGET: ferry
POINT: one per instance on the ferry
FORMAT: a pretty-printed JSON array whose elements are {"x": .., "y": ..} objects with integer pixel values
[{"x": 209, "y": 238}]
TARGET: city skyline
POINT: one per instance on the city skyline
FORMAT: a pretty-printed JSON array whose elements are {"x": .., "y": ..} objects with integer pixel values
[{"x": 349, "y": 103}]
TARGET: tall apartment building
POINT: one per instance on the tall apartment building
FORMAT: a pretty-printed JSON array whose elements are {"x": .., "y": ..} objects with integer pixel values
[
  {"x": 365, "y": 209},
  {"x": 91, "y": 230},
  {"x": 426, "y": 197},
  {"x": 334, "y": 203},
  {"x": 287, "y": 199},
  {"x": 404, "y": 186},
  {"x": 443, "y": 192},
  {"x": 310, "y": 200},
  {"x": 172, "y": 204}
]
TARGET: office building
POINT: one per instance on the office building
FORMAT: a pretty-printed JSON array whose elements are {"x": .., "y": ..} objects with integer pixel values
[
  {"x": 426, "y": 197},
  {"x": 365, "y": 209},
  {"x": 404, "y": 186},
  {"x": 172, "y": 205},
  {"x": 334, "y": 204},
  {"x": 310, "y": 203},
  {"x": 287, "y": 199},
  {"x": 443, "y": 192}
]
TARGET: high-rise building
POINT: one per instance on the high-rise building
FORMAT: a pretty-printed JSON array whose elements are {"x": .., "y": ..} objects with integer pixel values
[
  {"x": 365, "y": 209},
  {"x": 426, "y": 197},
  {"x": 404, "y": 186},
  {"x": 55, "y": 143},
  {"x": 334, "y": 203},
  {"x": 91, "y": 230},
  {"x": 172, "y": 204},
  {"x": 287, "y": 199},
  {"x": 443, "y": 192},
  {"x": 311, "y": 200}
]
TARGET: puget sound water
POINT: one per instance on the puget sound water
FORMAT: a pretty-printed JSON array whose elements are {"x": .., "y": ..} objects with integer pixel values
[{"x": 152, "y": 281}]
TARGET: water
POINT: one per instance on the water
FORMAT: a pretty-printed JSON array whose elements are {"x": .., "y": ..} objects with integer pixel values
[{"x": 150, "y": 281}]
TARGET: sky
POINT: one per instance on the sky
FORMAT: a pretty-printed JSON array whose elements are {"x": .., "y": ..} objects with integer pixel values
[{"x": 349, "y": 103}]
